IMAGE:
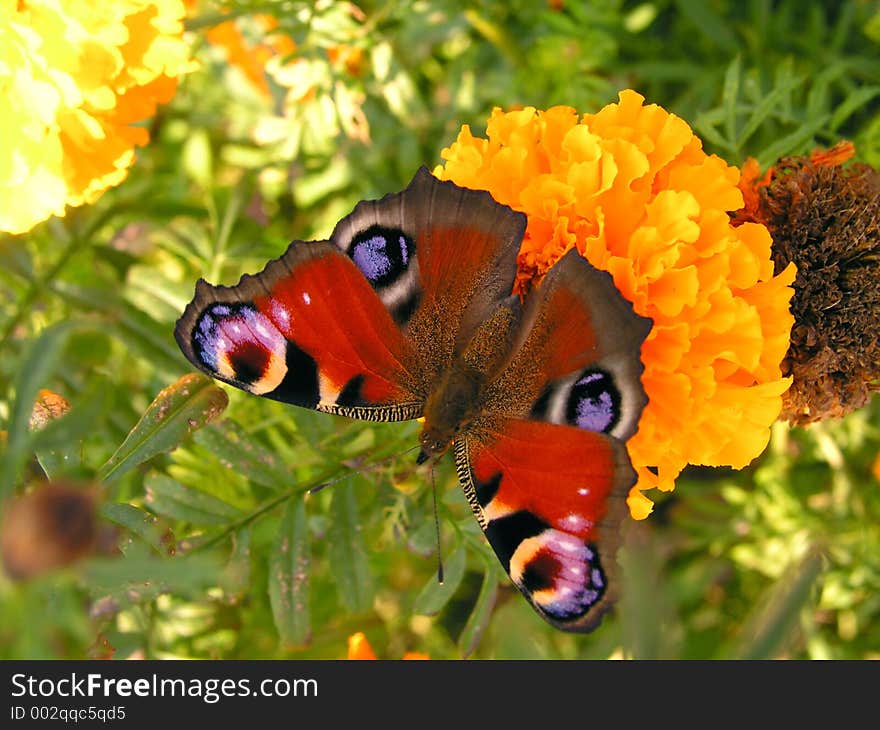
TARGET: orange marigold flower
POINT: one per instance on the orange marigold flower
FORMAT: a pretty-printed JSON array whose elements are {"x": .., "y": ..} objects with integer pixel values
[
  {"x": 251, "y": 56},
  {"x": 74, "y": 79},
  {"x": 359, "y": 648},
  {"x": 631, "y": 188}
]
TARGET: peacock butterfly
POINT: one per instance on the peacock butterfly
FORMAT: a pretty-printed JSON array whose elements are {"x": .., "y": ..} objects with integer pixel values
[{"x": 407, "y": 312}]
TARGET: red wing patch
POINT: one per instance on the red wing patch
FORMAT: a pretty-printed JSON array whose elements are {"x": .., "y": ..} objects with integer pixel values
[{"x": 327, "y": 308}]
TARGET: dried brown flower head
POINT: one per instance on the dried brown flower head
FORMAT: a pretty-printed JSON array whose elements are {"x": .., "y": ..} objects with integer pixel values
[
  {"x": 50, "y": 527},
  {"x": 825, "y": 218}
]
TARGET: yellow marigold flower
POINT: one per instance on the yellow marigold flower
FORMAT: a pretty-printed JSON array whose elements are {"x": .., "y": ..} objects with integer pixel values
[
  {"x": 359, "y": 648},
  {"x": 74, "y": 77},
  {"x": 631, "y": 188}
]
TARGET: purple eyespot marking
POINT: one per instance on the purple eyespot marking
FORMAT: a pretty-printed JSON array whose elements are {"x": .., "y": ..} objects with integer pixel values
[
  {"x": 404, "y": 252},
  {"x": 223, "y": 328},
  {"x": 594, "y": 402},
  {"x": 370, "y": 257},
  {"x": 595, "y": 415},
  {"x": 381, "y": 254},
  {"x": 566, "y": 575}
]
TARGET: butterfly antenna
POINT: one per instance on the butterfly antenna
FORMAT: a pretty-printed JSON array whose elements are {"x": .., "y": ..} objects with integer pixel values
[
  {"x": 437, "y": 528},
  {"x": 368, "y": 467}
]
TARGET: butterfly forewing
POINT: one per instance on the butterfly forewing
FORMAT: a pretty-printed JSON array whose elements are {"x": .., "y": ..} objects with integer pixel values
[
  {"x": 441, "y": 258},
  {"x": 362, "y": 325},
  {"x": 307, "y": 330}
]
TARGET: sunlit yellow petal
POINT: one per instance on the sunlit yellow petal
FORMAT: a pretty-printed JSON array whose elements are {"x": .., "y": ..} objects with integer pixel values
[{"x": 74, "y": 77}]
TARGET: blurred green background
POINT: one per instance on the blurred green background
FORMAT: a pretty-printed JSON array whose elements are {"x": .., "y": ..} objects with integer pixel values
[{"x": 781, "y": 559}]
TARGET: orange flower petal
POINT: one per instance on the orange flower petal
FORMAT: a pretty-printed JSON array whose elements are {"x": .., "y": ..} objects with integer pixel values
[{"x": 359, "y": 647}]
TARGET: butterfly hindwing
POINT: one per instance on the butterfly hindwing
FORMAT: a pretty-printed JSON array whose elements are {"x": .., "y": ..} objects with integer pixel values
[
  {"x": 550, "y": 500},
  {"x": 577, "y": 361}
]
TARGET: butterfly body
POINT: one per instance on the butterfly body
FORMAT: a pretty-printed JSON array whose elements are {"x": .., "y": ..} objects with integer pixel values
[
  {"x": 457, "y": 398},
  {"x": 406, "y": 312}
]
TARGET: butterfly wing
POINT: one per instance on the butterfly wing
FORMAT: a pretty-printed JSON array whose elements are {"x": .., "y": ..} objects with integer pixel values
[
  {"x": 545, "y": 467},
  {"x": 439, "y": 256},
  {"x": 307, "y": 330},
  {"x": 361, "y": 325},
  {"x": 550, "y": 500},
  {"x": 577, "y": 358}
]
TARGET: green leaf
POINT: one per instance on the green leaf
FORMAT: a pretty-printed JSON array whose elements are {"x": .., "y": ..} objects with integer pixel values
[
  {"x": 289, "y": 576},
  {"x": 791, "y": 142},
  {"x": 765, "y": 633},
  {"x": 480, "y": 616},
  {"x": 139, "y": 522},
  {"x": 435, "y": 595},
  {"x": 234, "y": 447},
  {"x": 239, "y": 565},
  {"x": 141, "y": 576},
  {"x": 36, "y": 368},
  {"x": 151, "y": 339},
  {"x": 167, "y": 497},
  {"x": 705, "y": 123},
  {"x": 764, "y": 108},
  {"x": 856, "y": 101},
  {"x": 58, "y": 445},
  {"x": 646, "y": 606},
  {"x": 197, "y": 158},
  {"x": 179, "y": 409},
  {"x": 818, "y": 98},
  {"x": 729, "y": 97},
  {"x": 348, "y": 556},
  {"x": 423, "y": 540},
  {"x": 709, "y": 23}
]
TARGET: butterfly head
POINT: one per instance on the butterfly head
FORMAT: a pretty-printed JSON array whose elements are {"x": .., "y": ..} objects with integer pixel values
[{"x": 433, "y": 443}]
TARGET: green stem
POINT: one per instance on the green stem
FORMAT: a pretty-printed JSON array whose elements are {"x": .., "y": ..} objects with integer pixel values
[
  {"x": 230, "y": 215},
  {"x": 267, "y": 506}
]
